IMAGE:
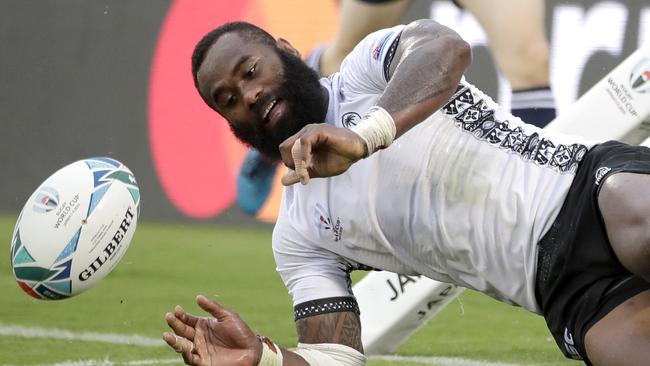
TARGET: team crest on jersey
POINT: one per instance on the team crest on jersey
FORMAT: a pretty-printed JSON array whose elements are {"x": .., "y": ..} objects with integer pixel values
[
  {"x": 350, "y": 119},
  {"x": 640, "y": 76},
  {"x": 474, "y": 115},
  {"x": 323, "y": 222}
]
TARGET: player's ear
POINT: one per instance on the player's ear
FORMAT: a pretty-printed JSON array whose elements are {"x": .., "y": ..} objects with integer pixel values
[{"x": 286, "y": 46}]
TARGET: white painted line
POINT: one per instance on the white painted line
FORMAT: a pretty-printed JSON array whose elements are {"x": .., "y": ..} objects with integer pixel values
[
  {"x": 173, "y": 361},
  {"x": 35, "y": 332},
  {"x": 107, "y": 362},
  {"x": 437, "y": 361},
  {"x": 139, "y": 340},
  {"x": 440, "y": 361}
]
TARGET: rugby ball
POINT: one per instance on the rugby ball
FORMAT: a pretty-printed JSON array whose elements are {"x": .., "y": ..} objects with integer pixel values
[{"x": 75, "y": 228}]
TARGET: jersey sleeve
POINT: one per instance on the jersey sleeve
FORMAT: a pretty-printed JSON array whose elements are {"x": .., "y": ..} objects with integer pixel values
[
  {"x": 317, "y": 279},
  {"x": 366, "y": 68}
]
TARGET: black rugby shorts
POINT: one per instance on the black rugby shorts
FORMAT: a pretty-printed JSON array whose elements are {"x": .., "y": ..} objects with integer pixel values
[{"x": 579, "y": 279}]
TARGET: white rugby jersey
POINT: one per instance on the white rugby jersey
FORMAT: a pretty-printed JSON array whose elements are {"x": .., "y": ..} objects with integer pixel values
[{"x": 463, "y": 197}]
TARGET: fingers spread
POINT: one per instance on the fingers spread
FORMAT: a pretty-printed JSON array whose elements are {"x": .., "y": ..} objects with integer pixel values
[
  {"x": 183, "y": 346},
  {"x": 178, "y": 344},
  {"x": 212, "y": 307},
  {"x": 172, "y": 341},
  {"x": 179, "y": 327},
  {"x": 185, "y": 317}
]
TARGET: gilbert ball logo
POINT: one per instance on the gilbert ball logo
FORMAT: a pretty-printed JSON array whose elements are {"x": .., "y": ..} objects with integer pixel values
[
  {"x": 640, "y": 76},
  {"x": 46, "y": 200}
]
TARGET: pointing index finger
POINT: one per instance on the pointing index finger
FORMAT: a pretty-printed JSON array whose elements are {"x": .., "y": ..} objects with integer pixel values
[
  {"x": 299, "y": 153},
  {"x": 286, "y": 150},
  {"x": 290, "y": 178}
]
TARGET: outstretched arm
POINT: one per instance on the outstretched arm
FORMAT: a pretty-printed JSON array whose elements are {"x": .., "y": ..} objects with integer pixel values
[
  {"x": 224, "y": 339},
  {"x": 429, "y": 62}
]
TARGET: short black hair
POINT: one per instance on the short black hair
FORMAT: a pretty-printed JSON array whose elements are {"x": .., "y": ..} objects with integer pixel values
[{"x": 248, "y": 31}]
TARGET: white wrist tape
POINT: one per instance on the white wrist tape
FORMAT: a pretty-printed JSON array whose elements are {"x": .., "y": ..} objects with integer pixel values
[
  {"x": 329, "y": 354},
  {"x": 271, "y": 353},
  {"x": 377, "y": 129}
]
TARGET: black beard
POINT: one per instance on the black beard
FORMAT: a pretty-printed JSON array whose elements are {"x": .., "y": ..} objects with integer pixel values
[{"x": 305, "y": 102}]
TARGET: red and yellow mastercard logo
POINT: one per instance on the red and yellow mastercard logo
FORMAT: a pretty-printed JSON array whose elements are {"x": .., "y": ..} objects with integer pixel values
[{"x": 195, "y": 155}]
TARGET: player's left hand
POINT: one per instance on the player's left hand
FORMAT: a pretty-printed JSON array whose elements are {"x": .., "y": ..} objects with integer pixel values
[
  {"x": 320, "y": 150},
  {"x": 223, "y": 339}
]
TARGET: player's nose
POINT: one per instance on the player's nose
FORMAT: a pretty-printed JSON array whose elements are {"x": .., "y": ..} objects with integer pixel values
[{"x": 251, "y": 94}]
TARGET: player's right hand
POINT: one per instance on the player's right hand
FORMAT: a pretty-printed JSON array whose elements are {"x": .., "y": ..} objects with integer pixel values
[
  {"x": 223, "y": 339},
  {"x": 320, "y": 150}
]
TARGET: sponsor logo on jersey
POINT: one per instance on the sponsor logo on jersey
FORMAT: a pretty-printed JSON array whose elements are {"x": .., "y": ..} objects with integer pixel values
[
  {"x": 323, "y": 222},
  {"x": 350, "y": 119},
  {"x": 600, "y": 173},
  {"x": 640, "y": 76}
]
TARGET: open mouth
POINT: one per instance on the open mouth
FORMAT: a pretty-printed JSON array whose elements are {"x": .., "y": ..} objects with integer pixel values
[
  {"x": 267, "y": 111},
  {"x": 273, "y": 112}
]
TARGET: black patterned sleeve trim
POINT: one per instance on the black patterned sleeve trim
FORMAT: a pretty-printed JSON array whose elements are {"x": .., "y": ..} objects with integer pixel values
[
  {"x": 326, "y": 306},
  {"x": 389, "y": 56}
]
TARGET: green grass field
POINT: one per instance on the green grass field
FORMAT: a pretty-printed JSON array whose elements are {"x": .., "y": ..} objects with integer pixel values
[{"x": 169, "y": 264}]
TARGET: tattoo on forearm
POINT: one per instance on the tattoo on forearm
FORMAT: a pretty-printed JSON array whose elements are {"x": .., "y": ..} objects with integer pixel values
[{"x": 343, "y": 328}]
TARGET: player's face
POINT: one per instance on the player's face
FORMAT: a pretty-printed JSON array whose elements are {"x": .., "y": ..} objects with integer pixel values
[{"x": 266, "y": 93}]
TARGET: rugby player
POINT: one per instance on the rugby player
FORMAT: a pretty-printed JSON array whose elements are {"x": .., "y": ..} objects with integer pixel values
[
  {"x": 517, "y": 38},
  {"x": 422, "y": 173}
]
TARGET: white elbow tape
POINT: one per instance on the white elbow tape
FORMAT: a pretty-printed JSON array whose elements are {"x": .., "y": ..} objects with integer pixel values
[
  {"x": 330, "y": 354},
  {"x": 271, "y": 353},
  {"x": 377, "y": 129}
]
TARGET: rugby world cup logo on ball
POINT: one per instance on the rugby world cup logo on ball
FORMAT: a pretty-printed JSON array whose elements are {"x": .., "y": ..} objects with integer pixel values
[
  {"x": 640, "y": 76},
  {"x": 47, "y": 198},
  {"x": 75, "y": 228}
]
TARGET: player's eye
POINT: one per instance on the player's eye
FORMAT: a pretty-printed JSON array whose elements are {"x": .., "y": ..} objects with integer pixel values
[
  {"x": 226, "y": 100},
  {"x": 251, "y": 71}
]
